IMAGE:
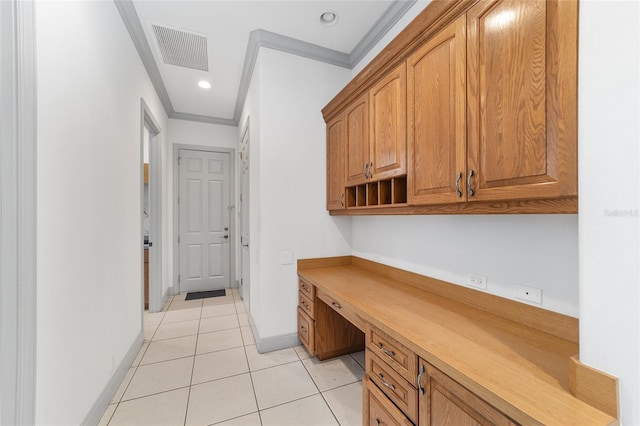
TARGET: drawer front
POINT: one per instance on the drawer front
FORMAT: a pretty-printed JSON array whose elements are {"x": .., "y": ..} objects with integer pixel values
[
  {"x": 377, "y": 409},
  {"x": 401, "y": 359},
  {"x": 306, "y": 304},
  {"x": 337, "y": 306},
  {"x": 306, "y": 331},
  {"x": 394, "y": 386},
  {"x": 307, "y": 289}
]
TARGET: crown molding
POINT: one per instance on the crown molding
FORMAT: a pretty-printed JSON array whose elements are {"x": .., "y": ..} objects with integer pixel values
[
  {"x": 257, "y": 39},
  {"x": 132, "y": 22},
  {"x": 203, "y": 118}
]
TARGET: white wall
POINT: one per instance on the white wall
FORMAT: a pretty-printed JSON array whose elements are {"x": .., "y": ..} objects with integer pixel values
[
  {"x": 538, "y": 251},
  {"x": 609, "y": 111},
  {"x": 292, "y": 162},
  {"x": 89, "y": 304}
]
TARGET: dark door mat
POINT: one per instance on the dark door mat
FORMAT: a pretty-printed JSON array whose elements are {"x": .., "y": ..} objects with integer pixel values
[{"x": 205, "y": 294}]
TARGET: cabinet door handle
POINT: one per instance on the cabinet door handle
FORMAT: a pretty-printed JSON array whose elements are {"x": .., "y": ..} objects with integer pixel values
[
  {"x": 384, "y": 382},
  {"x": 364, "y": 171},
  {"x": 458, "y": 177},
  {"x": 420, "y": 380},
  {"x": 370, "y": 170},
  {"x": 386, "y": 351},
  {"x": 336, "y": 305},
  {"x": 471, "y": 192},
  {"x": 342, "y": 200}
]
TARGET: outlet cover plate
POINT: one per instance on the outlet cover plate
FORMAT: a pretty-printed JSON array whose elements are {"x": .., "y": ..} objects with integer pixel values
[
  {"x": 530, "y": 294},
  {"x": 286, "y": 258},
  {"x": 477, "y": 281}
]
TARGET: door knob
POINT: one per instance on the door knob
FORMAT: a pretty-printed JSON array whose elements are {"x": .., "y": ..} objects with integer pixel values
[{"x": 225, "y": 236}]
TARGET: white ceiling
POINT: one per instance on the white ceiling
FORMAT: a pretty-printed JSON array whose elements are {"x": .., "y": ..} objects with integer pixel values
[{"x": 227, "y": 26}]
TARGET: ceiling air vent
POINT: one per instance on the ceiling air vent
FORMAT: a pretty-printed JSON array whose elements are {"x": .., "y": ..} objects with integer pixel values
[{"x": 182, "y": 48}]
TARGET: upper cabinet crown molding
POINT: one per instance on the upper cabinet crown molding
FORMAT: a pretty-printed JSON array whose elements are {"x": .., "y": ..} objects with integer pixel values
[{"x": 472, "y": 108}]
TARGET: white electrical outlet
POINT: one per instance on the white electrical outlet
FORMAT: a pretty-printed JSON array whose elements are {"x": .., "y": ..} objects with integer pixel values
[
  {"x": 286, "y": 258},
  {"x": 530, "y": 294},
  {"x": 477, "y": 281}
]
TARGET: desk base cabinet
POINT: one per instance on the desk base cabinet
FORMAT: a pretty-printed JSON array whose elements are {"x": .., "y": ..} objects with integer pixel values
[{"x": 444, "y": 402}]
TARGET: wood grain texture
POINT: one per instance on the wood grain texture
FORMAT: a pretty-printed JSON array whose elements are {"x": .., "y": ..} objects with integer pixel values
[
  {"x": 519, "y": 370},
  {"x": 388, "y": 125},
  {"x": 356, "y": 117},
  {"x": 394, "y": 353},
  {"x": 343, "y": 311},
  {"x": 549, "y": 206},
  {"x": 521, "y": 57},
  {"x": 594, "y": 387},
  {"x": 562, "y": 326},
  {"x": 334, "y": 335},
  {"x": 335, "y": 164},
  {"x": 403, "y": 394},
  {"x": 437, "y": 118},
  {"x": 321, "y": 262},
  {"x": 447, "y": 403},
  {"x": 377, "y": 410},
  {"x": 306, "y": 331},
  {"x": 437, "y": 15}
]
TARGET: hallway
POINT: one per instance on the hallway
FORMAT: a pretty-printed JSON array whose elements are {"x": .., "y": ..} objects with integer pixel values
[{"x": 199, "y": 366}]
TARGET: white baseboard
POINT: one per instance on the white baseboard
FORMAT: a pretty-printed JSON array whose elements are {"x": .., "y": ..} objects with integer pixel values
[
  {"x": 105, "y": 398},
  {"x": 274, "y": 343}
]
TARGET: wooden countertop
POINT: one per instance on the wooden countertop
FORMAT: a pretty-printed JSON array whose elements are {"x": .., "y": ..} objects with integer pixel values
[{"x": 520, "y": 370}]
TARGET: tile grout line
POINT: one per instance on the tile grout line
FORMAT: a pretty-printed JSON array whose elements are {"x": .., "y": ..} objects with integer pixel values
[
  {"x": 135, "y": 368},
  {"x": 193, "y": 366},
  {"x": 320, "y": 392},
  {"x": 253, "y": 387}
]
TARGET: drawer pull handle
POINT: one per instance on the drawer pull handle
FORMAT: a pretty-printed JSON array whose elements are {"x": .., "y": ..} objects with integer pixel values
[
  {"x": 420, "y": 380},
  {"x": 303, "y": 329},
  {"x": 378, "y": 422},
  {"x": 389, "y": 385},
  {"x": 336, "y": 305},
  {"x": 386, "y": 351}
]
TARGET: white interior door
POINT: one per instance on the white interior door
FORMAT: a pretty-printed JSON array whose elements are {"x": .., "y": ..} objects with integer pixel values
[
  {"x": 244, "y": 216},
  {"x": 204, "y": 220}
]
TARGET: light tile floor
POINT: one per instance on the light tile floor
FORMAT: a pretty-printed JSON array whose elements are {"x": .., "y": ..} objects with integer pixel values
[{"x": 199, "y": 366}]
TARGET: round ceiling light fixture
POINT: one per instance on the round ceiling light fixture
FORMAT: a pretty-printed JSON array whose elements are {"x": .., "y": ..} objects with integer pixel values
[
  {"x": 204, "y": 84},
  {"x": 329, "y": 18}
]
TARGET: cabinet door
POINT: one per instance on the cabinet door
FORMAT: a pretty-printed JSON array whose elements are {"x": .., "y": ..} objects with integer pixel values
[
  {"x": 388, "y": 117},
  {"x": 357, "y": 137},
  {"x": 446, "y": 403},
  {"x": 436, "y": 109},
  {"x": 522, "y": 99},
  {"x": 335, "y": 164}
]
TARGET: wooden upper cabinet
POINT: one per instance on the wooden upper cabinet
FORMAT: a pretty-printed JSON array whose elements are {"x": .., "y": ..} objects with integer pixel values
[
  {"x": 356, "y": 117},
  {"x": 388, "y": 125},
  {"x": 522, "y": 99},
  {"x": 335, "y": 164},
  {"x": 436, "y": 107}
]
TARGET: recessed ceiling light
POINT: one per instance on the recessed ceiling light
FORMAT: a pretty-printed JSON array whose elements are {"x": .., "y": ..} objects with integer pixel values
[
  {"x": 329, "y": 18},
  {"x": 204, "y": 84}
]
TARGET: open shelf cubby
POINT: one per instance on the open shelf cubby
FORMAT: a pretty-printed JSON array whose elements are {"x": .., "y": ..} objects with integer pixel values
[{"x": 376, "y": 194}]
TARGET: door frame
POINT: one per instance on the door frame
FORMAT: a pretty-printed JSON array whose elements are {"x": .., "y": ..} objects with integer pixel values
[
  {"x": 18, "y": 208},
  {"x": 232, "y": 210},
  {"x": 246, "y": 287},
  {"x": 155, "y": 205}
]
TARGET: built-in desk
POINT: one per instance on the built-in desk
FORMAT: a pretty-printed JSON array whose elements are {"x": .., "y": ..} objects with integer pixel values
[{"x": 468, "y": 353}]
